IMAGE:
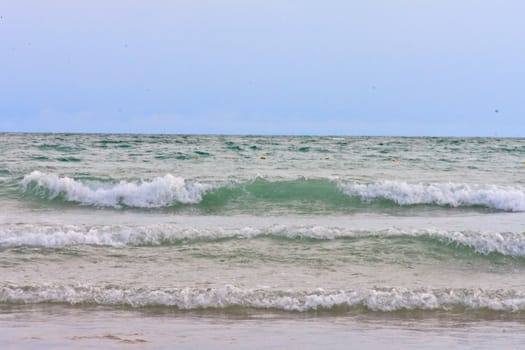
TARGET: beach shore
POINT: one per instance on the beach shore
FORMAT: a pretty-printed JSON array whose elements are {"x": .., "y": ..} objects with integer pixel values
[{"x": 66, "y": 327}]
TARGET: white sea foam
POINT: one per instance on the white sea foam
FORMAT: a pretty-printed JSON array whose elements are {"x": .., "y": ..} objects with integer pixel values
[
  {"x": 491, "y": 196},
  {"x": 377, "y": 299},
  {"x": 507, "y": 243},
  {"x": 44, "y": 235},
  {"x": 159, "y": 192}
]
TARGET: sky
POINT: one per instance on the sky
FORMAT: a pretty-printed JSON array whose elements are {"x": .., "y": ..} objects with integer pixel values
[{"x": 393, "y": 67}]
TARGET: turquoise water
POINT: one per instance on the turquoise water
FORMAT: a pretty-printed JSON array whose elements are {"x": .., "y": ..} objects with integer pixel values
[{"x": 337, "y": 225}]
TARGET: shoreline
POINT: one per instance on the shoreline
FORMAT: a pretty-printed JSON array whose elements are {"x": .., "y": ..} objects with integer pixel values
[{"x": 63, "y": 327}]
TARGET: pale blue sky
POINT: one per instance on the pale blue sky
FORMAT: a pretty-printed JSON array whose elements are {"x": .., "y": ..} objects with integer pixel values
[{"x": 265, "y": 67}]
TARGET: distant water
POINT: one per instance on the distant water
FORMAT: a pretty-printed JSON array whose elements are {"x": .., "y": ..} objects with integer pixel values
[{"x": 342, "y": 226}]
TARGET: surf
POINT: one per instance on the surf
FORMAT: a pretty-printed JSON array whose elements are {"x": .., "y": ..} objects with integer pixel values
[
  {"x": 387, "y": 299},
  {"x": 302, "y": 194},
  {"x": 55, "y": 236}
]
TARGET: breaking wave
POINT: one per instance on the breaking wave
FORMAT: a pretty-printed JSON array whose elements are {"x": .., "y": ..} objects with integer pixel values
[
  {"x": 159, "y": 192},
  {"x": 14, "y": 235},
  {"x": 455, "y": 195},
  {"x": 228, "y": 296},
  {"x": 310, "y": 194}
]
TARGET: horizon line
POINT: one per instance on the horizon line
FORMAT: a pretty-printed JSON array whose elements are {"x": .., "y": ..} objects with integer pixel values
[{"x": 254, "y": 134}]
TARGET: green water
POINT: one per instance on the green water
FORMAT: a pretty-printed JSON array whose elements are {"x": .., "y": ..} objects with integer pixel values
[{"x": 342, "y": 225}]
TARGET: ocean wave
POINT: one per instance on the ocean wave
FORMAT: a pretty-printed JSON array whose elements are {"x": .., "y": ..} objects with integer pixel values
[
  {"x": 228, "y": 296},
  {"x": 159, "y": 192},
  {"x": 37, "y": 235},
  {"x": 301, "y": 194},
  {"x": 450, "y": 194}
]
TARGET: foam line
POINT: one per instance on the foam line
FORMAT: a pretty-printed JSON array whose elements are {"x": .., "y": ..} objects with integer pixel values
[
  {"x": 190, "y": 298},
  {"x": 12, "y": 235}
]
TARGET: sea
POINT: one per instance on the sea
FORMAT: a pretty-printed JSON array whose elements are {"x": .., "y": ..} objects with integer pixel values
[{"x": 261, "y": 242}]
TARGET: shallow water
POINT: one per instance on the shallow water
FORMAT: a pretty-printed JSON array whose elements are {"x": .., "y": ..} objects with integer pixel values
[{"x": 62, "y": 327}]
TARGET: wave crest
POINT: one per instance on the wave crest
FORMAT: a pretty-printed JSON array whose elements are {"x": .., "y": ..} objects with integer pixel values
[
  {"x": 159, "y": 192},
  {"x": 491, "y": 196}
]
